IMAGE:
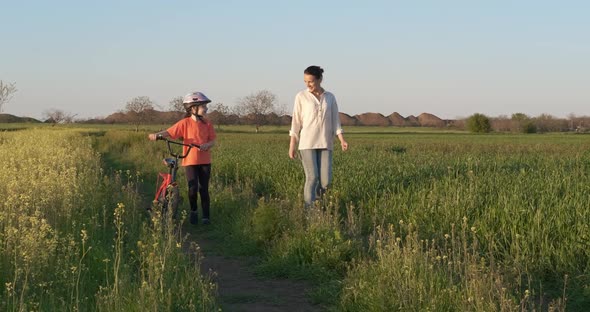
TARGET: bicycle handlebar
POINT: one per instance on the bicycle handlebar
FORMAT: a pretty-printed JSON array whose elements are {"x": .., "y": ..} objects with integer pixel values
[{"x": 168, "y": 142}]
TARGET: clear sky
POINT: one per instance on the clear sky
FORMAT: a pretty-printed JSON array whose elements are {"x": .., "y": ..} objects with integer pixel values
[{"x": 449, "y": 58}]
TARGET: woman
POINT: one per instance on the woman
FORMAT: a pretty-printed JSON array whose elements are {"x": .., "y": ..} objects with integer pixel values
[
  {"x": 195, "y": 129},
  {"x": 315, "y": 123}
]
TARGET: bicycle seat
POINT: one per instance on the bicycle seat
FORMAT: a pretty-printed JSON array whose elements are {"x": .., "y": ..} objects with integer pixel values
[{"x": 170, "y": 162}]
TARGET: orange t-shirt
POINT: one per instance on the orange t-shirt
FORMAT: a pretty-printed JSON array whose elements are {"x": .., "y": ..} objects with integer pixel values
[{"x": 193, "y": 132}]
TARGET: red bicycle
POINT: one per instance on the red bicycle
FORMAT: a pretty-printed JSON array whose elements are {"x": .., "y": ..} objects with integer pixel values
[{"x": 167, "y": 194}]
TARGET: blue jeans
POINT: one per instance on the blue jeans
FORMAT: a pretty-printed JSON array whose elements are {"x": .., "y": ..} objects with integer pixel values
[{"x": 317, "y": 164}]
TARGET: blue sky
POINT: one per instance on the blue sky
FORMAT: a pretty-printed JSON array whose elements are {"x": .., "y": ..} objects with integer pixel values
[{"x": 449, "y": 58}]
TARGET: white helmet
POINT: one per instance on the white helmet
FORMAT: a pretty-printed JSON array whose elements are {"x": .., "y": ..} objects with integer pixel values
[{"x": 194, "y": 99}]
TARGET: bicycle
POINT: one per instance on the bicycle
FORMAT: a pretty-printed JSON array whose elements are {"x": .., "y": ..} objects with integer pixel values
[{"x": 167, "y": 194}]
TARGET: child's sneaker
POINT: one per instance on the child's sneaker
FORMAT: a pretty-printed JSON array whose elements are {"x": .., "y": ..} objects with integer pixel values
[
  {"x": 194, "y": 217},
  {"x": 206, "y": 221}
]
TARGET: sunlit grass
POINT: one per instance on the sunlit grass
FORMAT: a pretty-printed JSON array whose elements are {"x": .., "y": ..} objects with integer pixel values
[
  {"x": 69, "y": 234},
  {"x": 509, "y": 212}
]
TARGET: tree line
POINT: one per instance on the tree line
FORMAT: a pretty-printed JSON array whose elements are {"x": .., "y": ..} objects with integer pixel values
[
  {"x": 522, "y": 123},
  {"x": 258, "y": 109},
  {"x": 261, "y": 108}
]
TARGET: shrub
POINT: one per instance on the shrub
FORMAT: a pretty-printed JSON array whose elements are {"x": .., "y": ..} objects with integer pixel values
[
  {"x": 528, "y": 127},
  {"x": 268, "y": 222},
  {"x": 478, "y": 123}
]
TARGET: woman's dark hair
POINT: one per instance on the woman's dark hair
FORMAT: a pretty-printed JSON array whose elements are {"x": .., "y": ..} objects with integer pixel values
[{"x": 315, "y": 71}]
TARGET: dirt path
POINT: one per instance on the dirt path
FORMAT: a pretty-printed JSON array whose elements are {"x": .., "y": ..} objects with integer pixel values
[{"x": 239, "y": 289}]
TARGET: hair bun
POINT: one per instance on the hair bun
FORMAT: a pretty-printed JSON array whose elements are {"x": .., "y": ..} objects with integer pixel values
[{"x": 314, "y": 70}]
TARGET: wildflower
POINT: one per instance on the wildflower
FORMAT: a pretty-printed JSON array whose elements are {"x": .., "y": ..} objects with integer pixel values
[
  {"x": 84, "y": 235},
  {"x": 473, "y": 229}
]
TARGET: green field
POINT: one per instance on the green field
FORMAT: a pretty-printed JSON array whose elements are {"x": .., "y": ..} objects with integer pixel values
[{"x": 416, "y": 219}]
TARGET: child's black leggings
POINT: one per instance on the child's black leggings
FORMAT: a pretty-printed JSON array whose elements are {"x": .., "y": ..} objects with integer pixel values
[{"x": 197, "y": 177}]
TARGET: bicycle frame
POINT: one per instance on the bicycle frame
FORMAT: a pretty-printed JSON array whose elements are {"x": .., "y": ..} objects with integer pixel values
[{"x": 169, "y": 179}]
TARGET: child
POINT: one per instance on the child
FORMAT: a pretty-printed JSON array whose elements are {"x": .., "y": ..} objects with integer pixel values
[{"x": 195, "y": 129}]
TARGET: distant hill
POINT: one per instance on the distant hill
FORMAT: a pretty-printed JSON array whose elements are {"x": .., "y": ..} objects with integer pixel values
[
  {"x": 8, "y": 118},
  {"x": 347, "y": 120},
  {"x": 373, "y": 119},
  {"x": 159, "y": 117},
  {"x": 397, "y": 120},
  {"x": 429, "y": 120},
  {"x": 156, "y": 117}
]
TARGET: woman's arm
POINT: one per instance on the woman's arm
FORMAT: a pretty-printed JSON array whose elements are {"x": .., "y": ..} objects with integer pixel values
[
  {"x": 343, "y": 143},
  {"x": 338, "y": 126},
  {"x": 295, "y": 128}
]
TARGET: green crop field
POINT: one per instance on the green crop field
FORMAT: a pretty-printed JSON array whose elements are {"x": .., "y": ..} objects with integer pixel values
[{"x": 418, "y": 220}]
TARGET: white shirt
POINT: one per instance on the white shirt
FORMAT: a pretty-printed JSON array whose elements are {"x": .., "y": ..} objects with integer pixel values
[{"x": 315, "y": 122}]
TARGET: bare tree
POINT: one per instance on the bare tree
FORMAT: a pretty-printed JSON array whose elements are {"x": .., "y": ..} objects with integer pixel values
[
  {"x": 549, "y": 123},
  {"x": 282, "y": 109},
  {"x": 219, "y": 114},
  {"x": 57, "y": 116},
  {"x": 501, "y": 123},
  {"x": 139, "y": 109},
  {"x": 522, "y": 123},
  {"x": 256, "y": 106},
  {"x": 176, "y": 105},
  {"x": 7, "y": 90}
]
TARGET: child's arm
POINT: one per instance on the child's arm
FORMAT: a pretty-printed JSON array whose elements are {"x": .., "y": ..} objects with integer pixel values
[{"x": 154, "y": 136}]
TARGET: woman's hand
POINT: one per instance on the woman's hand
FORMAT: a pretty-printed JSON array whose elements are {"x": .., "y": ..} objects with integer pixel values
[
  {"x": 293, "y": 148},
  {"x": 292, "y": 152},
  {"x": 344, "y": 145},
  {"x": 152, "y": 136}
]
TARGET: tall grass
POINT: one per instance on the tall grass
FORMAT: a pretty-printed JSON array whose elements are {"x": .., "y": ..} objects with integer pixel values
[
  {"x": 525, "y": 196},
  {"x": 412, "y": 222},
  {"x": 69, "y": 234}
]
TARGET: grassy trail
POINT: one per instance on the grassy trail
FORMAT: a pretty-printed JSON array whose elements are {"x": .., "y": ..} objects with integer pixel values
[{"x": 239, "y": 287}]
